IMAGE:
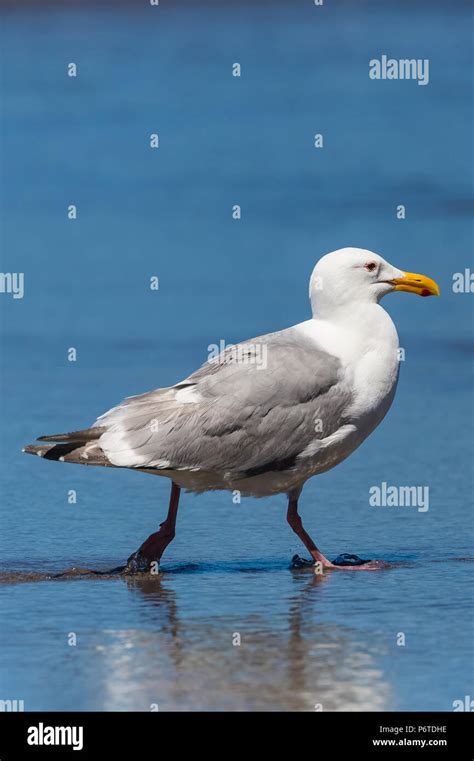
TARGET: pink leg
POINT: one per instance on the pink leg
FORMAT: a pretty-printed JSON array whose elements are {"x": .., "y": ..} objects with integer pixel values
[
  {"x": 152, "y": 548},
  {"x": 294, "y": 519},
  {"x": 296, "y": 524}
]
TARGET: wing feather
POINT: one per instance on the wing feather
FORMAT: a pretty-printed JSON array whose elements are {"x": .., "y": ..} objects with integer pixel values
[{"x": 252, "y": 409}]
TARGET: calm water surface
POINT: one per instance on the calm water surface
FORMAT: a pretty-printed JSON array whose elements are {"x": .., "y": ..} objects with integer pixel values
[{"x": 304, "y": 640}]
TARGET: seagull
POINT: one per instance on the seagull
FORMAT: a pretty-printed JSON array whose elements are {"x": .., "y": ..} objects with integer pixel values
[{"x": 263, "y": 416}]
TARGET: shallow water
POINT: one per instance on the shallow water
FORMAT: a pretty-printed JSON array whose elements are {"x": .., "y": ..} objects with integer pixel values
[{"x": 305, "y": 641}]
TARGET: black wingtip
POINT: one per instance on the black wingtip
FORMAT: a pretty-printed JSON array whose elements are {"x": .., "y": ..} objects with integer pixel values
[{"x": 86, "y": 434}]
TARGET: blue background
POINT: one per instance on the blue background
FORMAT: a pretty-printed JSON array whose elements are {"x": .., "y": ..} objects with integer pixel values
[{"x": 168, "y": 212}]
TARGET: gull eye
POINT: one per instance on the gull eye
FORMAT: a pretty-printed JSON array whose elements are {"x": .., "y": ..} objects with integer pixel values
[{"x": 370, "y": 266}]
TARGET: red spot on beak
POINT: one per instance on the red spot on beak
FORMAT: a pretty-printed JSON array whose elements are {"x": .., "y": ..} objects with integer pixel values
[{"x": 425, "y": 292}]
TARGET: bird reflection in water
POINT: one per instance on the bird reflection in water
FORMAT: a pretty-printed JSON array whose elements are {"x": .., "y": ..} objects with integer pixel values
[{"x": 293, "y": 662}]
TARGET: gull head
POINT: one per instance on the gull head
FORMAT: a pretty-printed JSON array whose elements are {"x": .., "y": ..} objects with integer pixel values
[{"x": 350, "y": 277}]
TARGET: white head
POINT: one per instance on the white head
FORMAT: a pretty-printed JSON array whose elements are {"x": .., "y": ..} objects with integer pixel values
[{"x": 349, "y": 277}]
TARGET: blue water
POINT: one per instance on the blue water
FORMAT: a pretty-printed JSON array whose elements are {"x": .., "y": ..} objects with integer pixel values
[{"x": 304, "y": 641}]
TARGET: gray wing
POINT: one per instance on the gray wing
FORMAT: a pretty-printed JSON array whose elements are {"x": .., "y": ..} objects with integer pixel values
[{"x": 252, "y": 409}]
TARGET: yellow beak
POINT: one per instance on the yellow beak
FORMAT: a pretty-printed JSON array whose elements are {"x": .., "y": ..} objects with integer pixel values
[{"x": 420, "y": 284}]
